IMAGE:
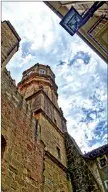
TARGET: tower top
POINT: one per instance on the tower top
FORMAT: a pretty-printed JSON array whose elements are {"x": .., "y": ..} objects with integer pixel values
[
  {"x": 42, "y": 70},
  {"x": 39, "y": 76},
  {"x": 39, "y": 71}
]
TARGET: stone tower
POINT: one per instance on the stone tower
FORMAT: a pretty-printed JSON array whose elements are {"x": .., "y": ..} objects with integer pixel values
[
  {"x": 40, "y": 91},
  {"x": 38, "y": 154},
  {"x": 38, "y": 87}
]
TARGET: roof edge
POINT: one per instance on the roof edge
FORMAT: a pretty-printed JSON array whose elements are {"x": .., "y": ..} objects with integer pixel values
[
  {"x": 13, "y": 29},
  {"x": 102, "y": 150}
]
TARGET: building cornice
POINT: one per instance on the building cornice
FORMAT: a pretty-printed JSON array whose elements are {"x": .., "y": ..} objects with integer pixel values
[
  {"x": 34, "y": 75},
  {"x": 12, "y": 29}
]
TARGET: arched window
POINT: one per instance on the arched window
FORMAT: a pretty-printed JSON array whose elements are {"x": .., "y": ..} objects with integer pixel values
[{"x": 3, "y": 145}]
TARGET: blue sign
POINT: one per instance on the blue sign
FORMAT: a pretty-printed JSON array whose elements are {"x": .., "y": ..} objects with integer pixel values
[{"x": 71, "y": 21}]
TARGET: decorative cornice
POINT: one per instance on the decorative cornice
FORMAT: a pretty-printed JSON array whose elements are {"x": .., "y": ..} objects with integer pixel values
[{"x": 34, "y": 75}]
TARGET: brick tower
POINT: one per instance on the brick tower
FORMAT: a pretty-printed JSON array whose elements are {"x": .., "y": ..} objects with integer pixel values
[{"x": 40, "y": 91}]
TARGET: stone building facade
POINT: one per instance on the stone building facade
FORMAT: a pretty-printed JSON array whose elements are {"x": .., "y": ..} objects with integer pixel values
[
  {"x": 38, "y": 154},
  {"x": 98, "y": 162}
]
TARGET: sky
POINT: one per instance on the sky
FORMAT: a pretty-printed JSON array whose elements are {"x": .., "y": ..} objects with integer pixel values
[{"x": 81, "y": 75}]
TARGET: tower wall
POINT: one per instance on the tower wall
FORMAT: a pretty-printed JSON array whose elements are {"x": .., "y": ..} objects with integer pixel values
[
  {"x": 52, "y": 138},
  {"x": 55, "y": 179},
  {"x": 41, "y": 102},
  {"x": 50, "y": 125},
  {"x": 55, "y": 167}
]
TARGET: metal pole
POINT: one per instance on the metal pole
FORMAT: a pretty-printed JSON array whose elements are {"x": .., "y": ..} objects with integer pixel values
[{"x": 91, "y": 11}]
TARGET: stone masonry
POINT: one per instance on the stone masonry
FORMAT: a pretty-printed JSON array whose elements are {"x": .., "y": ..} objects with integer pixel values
[
  {"x": 23, "y": 158},
  {"x": 82, "y": 178}
]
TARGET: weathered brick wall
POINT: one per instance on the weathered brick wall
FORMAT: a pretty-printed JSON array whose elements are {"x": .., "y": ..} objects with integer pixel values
[
  {"x": 22, "y": 163},
  {"x": 55, "y": 179},
  {"x": 81, "y": 176}
]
